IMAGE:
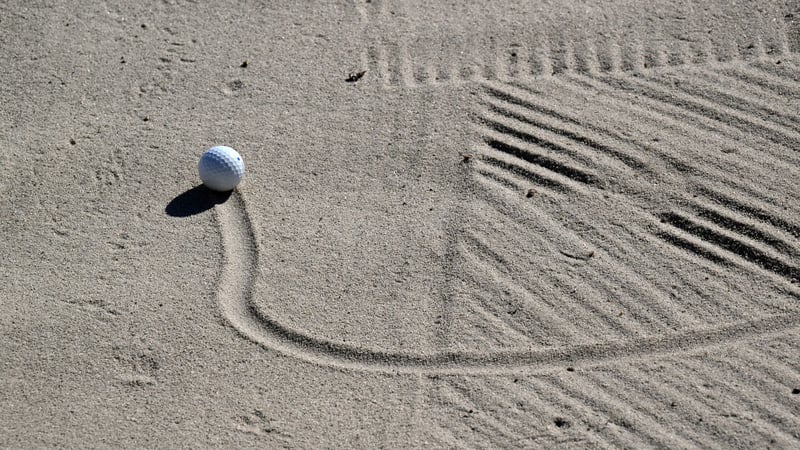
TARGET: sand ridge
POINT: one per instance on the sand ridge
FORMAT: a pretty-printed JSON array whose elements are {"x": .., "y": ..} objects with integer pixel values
[{"x": 235, "y": 292}]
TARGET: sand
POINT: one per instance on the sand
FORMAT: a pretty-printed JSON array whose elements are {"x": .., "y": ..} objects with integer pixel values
[{"x": 568, "y": 224}]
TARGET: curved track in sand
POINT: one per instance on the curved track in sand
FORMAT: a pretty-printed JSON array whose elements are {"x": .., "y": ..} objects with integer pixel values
[{"x": 235, "y": 292}]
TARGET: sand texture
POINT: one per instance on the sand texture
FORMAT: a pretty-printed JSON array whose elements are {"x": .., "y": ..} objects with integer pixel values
[{"x": 557, "y": 224}]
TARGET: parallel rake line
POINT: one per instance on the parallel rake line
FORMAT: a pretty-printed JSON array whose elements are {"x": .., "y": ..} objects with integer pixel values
[
  {"x": 732, "y": 243},
  {"x": 707, "y": 109},
  {"x": 602, "y": 401}
]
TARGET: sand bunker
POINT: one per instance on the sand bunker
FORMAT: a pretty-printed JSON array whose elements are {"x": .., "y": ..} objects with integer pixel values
[{"x": 481, "y": 225}]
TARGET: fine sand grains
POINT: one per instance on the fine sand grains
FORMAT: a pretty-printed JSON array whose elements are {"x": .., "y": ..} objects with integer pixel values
[{"x": 561, "y": 224}]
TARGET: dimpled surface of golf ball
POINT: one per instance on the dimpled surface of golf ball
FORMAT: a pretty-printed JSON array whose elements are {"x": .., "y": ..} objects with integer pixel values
[{"x": 221, "y": 168}]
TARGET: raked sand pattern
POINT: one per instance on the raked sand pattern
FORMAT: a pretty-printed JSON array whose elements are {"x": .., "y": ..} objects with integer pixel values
[
  {"x": 520, "y": 226},
  {"x": 540, "y": 173}
]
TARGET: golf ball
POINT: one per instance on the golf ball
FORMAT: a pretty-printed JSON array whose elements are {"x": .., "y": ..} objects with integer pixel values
[{"x": 221, "y": 168}]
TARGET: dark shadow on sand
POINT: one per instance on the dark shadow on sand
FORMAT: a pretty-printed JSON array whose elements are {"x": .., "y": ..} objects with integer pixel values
[{"x": 194, "y": 201}]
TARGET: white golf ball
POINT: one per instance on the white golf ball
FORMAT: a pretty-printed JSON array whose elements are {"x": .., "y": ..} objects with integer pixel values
[{"x": 221, "y": 168}]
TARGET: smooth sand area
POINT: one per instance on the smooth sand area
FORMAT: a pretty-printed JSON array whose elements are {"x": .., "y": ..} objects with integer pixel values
[{"x": 516, "y": 225}]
